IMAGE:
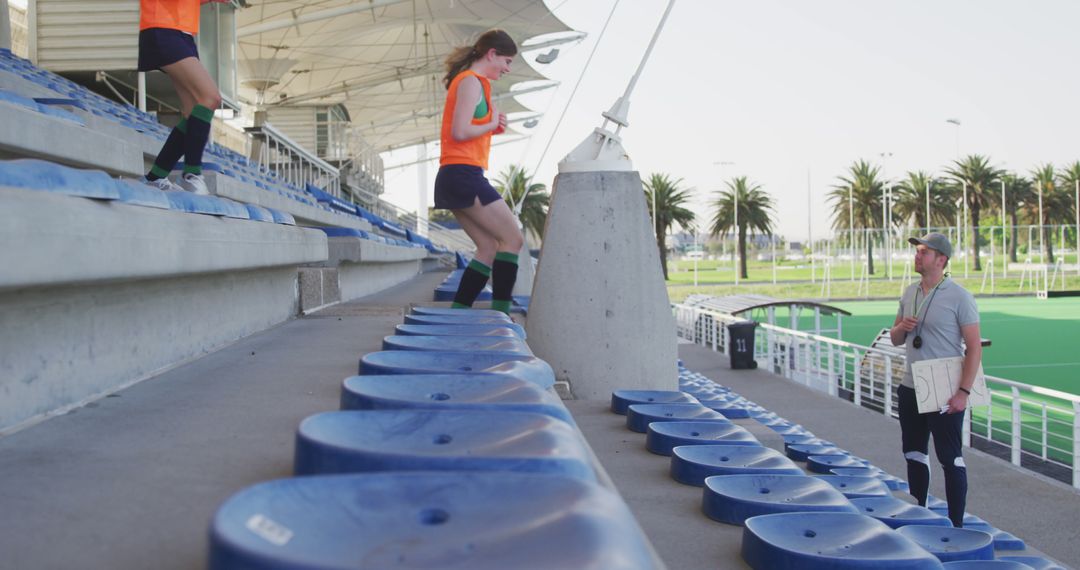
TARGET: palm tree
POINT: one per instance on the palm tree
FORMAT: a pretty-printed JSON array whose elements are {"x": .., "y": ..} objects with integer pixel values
[
  {"x": 1069, "y": 183},
  {"x": 861, "y": 188},
  {"x": 1018, "y": 193},
  {"x": 975, "y": 172},
  {"x": 1056, "y": 203},
  {"x": 671, "y": 202},
  {"x": 910, "y": 201},
  {"x": 515, "y": 185},
  {"x": 755, "y": 213}
]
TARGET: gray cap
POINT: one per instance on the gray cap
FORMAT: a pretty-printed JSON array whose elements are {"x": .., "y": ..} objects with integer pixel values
[{"x": 934, "y": 240}]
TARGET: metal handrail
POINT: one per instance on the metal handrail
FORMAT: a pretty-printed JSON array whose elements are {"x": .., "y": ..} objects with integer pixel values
[
  {"x": 291, "y": 161},
  {"x": 1020, "y": 417}
]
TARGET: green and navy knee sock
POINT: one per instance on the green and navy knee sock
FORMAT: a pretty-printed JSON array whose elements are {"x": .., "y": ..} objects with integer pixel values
[
  {"x": 472, "y": 282},
  {"x": 503, "y": 276},
  {"x": 198, "y": 132},
  {"x": 170, "y": 153}
]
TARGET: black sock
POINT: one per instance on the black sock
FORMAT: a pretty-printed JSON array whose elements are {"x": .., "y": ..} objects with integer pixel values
[
  {"x": 170, "y": 153},
  {"x": 472, "y": 282},
  {"x": 197, "y": 135},
  {"x": 918, "y": 473},
  {"x": 503, "y": 276}
]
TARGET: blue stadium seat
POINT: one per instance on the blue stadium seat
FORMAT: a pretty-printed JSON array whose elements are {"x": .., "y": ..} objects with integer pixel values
[
  {"x": 511, "y": 345},
  {"x": 622, "y": 399},
  {"x": 691, "y": 464},
  {"x": 825, "y": 463},
  {"x": 897, "y": 513},
  {"x": 480, "y": 392},
  {"x": 355, "y": 441},
  {"x": 210, "y": 205},
  {"x": 986, "y": 565},
  {"x": 1034, "y": 562},
  {"x": 462, "y": 318},
  {"x": 802, "y": 439},
  {"x": 949, "y": 544},
  {"x": 813, "y": 541},
  {"x": 139, "y": 194},
  {"x": 465, "y": 330},
  {"x": 857, "y": 487},
  {"x": 662, "y": 437},
  {"x": 730, "y": 410},
  {"x": 734, "y": 498},
  {"x": 639, "y": 416},
  {"x": 524, "y": 367},
  {"x": 34, "y": 174},
  {"x": 479, "y": 521},
  {"x": 801, "y": 452},
  {"x": 452, "y": 312}
]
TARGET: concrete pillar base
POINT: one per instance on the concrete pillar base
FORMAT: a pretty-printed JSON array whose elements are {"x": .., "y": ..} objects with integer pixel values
[{"x": 600, "y": 313}]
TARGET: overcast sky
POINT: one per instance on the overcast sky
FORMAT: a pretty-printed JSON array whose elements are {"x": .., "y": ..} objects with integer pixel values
[{"x": 783, "y": 87}]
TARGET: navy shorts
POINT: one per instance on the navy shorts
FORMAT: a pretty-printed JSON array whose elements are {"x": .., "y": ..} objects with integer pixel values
[
  {"x": 159, "y": 47},
  {"x": 457, "y": 186}
]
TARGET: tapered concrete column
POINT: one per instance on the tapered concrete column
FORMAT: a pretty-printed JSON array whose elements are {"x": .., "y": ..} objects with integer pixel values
[
  {"x": 5, "y": 25},
  {"x": 600, "y": 313},
  {"x": 524, "y": 283}
]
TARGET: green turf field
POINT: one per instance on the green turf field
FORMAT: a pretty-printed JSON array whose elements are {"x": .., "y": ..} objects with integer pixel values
[{"x": 1034, "y": 341}]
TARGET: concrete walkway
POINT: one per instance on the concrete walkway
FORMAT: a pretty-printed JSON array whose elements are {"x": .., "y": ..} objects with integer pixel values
[{"x": 132, "y": 480}]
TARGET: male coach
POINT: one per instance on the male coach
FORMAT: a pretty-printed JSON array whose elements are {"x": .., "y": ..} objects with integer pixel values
[{"x": 935, "y": 315}]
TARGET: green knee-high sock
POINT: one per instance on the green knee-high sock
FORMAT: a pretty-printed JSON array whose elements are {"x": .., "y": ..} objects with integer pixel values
[
  {"x": 472, "y": 282},
  {"x": 503, "y": 276}
]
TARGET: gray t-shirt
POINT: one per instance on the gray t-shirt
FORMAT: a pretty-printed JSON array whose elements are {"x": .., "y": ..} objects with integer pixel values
[{"x": 940, "y": 317}]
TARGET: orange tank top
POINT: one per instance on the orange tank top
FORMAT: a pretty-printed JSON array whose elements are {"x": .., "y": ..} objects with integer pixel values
[
  {"x": 473, "y": 151},
  {"x": 180, "y": 15}
]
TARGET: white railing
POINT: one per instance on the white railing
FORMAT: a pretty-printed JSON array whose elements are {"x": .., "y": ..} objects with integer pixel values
[
  {"x": 1038, "y": 427},
  {"x": 291, "y": 161}
]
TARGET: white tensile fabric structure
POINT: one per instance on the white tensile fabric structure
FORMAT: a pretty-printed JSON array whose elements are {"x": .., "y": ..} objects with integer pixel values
[{"x": 381, "y": 59}]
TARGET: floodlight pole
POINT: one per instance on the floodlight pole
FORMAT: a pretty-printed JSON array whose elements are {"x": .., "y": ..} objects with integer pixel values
[
  {"x": 1076, "y": 209},
  {"x": 1042, "y": 246},
  {"x": 928, "y": 183},
  {"x": 963, "y": 230},
  {"x": 851, "y": 229}
]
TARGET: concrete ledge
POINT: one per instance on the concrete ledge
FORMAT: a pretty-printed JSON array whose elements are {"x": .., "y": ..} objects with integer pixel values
[
  {"x": 358, "y": 250},
  {"x": 34, "y": 135},
  {"x": 362, "y": 279},
  {"x": 54, "y": 239},
  {"x": 61, "y": 347},
  {"x": 228, "y": 187}
]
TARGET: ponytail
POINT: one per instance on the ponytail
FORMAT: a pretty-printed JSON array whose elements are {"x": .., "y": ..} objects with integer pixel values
[{"x": 462, "y": 57}]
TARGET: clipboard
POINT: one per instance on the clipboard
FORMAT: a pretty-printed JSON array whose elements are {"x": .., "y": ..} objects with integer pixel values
[{"x": 936, "y": 381}]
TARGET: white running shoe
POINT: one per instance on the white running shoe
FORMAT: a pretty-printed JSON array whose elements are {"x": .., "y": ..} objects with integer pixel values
[
  {"x": 194, "y": 183},
  {"x": 163, "y": 184}
]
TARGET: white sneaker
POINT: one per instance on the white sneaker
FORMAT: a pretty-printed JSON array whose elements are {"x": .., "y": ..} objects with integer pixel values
[
  {"x": 163, "y": 184},
  {"x": 194, "y": 183}
]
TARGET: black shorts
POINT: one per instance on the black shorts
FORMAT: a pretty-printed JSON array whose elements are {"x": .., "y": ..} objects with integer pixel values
[
  {"x": 159, "y": 47},
  {"x": 457, "y": 186}
]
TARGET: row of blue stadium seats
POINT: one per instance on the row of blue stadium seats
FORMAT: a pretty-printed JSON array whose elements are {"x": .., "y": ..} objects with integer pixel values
[
  {"x": 451, "y": 450},
  {"x": 45, "y": 176},
  {"x": 843, "y": 516},
  {"x": 222, "y": 159}
]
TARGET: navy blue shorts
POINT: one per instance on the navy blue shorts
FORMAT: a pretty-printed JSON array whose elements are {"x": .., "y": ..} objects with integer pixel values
[
  {"x": 159, "y": 47},
  {"x": 457, "y": 186}
]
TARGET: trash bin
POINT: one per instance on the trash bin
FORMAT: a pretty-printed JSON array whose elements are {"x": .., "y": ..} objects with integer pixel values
[{"x": 741, "y": 345}]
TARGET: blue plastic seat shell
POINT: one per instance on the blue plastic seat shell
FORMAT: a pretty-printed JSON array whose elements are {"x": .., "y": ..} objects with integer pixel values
[{"x": 734, "y": 498}]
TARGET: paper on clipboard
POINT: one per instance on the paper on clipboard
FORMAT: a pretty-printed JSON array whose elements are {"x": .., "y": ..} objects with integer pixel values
[{"x": 936, "y": 381}]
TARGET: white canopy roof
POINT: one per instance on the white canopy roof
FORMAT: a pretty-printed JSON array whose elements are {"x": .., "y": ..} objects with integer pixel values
[{"x": 381, "y": 59}]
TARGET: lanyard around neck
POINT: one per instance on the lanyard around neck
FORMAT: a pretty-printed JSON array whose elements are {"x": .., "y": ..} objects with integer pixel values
[{"x": 929, "y": 296}]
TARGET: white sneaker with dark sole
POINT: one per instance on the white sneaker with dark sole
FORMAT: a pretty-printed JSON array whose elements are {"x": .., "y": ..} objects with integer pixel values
[{"x": 194, "y": 183}]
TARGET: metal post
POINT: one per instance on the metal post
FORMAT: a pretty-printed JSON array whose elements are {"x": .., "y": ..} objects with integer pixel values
[
  {"x": 888, "y": 386},
  {"x": 856, "y": 384},
  {"x": 1004, "y": 237},
  {"x": 851, "y": 230},
  {"x": 1076, "y": 445},
  {"x": 830, "y": 382},
  {"x": 963, "y": 232},
  {"x": 928, "y": 207},
  {"x": 1076, "y": 209},
  {"x": 738, "y": 251},
  {"x": 1044, "y": 428},
  {"x": 1042, "y": 246},
  {"x": 1014, "y": 446},
  {"x": 142, "y": 90}
]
